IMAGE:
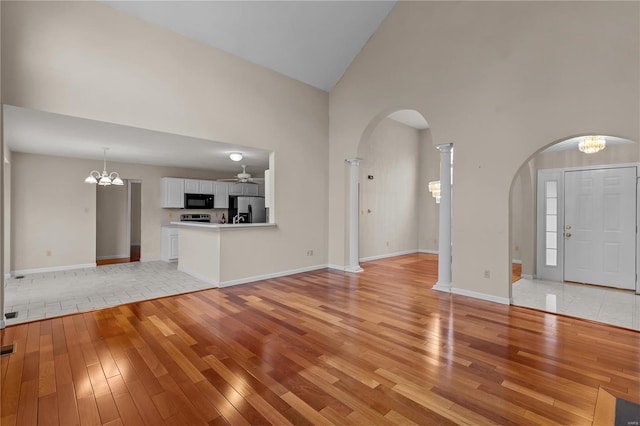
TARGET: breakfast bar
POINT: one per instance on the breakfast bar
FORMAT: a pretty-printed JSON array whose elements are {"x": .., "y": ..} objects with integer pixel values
[{"x": 202, "y": 248}]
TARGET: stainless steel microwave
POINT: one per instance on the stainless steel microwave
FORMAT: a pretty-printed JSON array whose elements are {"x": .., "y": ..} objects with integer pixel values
[{"x": 198, "y": 201}]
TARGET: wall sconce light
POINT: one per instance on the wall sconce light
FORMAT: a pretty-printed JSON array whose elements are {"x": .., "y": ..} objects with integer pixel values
[
  {"x": 434, "y": 189},
  {"x": 235, "y": 156}
]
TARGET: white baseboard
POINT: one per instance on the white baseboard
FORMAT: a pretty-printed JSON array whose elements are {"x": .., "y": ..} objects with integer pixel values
[
  {"x": 528, "y": 277},
  {"x": 51, "y": 269},
  {"x": 112, "y": 256},
  {"x": 150, "y": 259},
  {"x": 337, "y": 267},
  {"x": 428, "y": 251},
  {"x": 516, "y": 261},
  {"x": 384, "y": 256},
  {"x": 272, "y": 275},
  {"x": 482, "y": 296},
  {"x": 7, "y": 276}
]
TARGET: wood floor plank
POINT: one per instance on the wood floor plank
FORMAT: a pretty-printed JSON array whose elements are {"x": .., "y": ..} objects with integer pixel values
[{"x": 321, "y": 347}]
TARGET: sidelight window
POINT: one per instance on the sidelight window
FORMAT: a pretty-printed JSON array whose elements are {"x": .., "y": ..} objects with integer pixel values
[{"x": 551, "y": 222}]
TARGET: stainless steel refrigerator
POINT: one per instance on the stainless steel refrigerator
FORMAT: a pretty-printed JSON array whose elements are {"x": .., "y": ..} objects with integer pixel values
[{"x": 250, "y": 209}]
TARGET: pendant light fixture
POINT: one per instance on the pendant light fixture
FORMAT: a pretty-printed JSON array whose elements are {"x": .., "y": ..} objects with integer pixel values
[
  {"x": 592, "y": 144},
  {"x": 104, "y": 179}
]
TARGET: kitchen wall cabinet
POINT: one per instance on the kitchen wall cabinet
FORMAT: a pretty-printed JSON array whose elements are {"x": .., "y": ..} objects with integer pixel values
[
  {"x": 172, "y": 192},
  {"x": 240, "y": 188},
  {"x": 220, "y": 195},
  {"x": 169, "y": 243},
  {"x": 197, "y": 186}
]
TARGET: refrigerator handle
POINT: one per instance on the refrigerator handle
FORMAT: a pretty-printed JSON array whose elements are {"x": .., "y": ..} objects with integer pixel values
[{"x": 250, "y": 214}]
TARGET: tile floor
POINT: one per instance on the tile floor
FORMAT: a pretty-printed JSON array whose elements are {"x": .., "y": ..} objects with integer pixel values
[
  {"x": 52, "y": 294},
  {"x": 611, "y": 306}
]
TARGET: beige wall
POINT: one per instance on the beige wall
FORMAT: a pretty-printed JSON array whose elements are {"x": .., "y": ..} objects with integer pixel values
[
  {"x": 111, "y": 222},
  {"x": 429, "y": 209},
  {"x": 53, "y": 213},
  {"x": 499, "y": 80},
  {"x": 6, "y": 210},
  {"x": 136, "y": 213},
  {"x": 66, "y": 57},
  {"x": 389, "y": 213}
]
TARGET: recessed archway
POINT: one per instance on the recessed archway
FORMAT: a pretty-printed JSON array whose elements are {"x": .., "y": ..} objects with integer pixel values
[
  {"x": 537, "y": 226},
  {"x": 394, "y": 214}
]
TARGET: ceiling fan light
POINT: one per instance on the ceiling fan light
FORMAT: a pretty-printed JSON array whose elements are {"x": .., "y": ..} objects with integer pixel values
[{"x": 235, "y": 156}]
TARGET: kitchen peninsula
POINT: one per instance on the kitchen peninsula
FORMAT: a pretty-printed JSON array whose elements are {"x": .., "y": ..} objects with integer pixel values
[{"x": 206, "y": 250}]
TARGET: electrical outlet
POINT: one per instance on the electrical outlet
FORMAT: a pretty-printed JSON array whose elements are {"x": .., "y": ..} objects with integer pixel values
[
  {"x": 48, "y": 253},
  {"x": 309, "y": 252},
  {"x": 170, "y": 215},
  {"x": 487, "y": 273}
]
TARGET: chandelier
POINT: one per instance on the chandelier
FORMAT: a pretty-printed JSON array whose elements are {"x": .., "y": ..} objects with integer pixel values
[
  {"x": 104, "y": 179},
  {"x": 592, "y": 144},
  {"x": 434, "y": 189}
]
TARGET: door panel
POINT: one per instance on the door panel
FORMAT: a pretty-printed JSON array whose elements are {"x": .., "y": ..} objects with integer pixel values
[{"x": 600, "y": 227}]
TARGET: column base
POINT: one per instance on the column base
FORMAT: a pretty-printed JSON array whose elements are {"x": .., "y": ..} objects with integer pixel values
[
  {"x": 353, "y": 269},
  {"x": 446, "y": 288}
]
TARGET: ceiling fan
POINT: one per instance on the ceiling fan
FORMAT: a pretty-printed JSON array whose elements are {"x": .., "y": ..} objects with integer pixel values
[{"x": 243, "y": 177}]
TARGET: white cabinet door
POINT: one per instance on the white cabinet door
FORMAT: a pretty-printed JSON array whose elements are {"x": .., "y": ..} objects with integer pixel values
[
  {"x": 173, "y": 246},
  {"x": 172, "y": 190},
  {"x": 191, "y": 186},
  {"x": 207, "y": 187},
  {"x": 221, "y": 195},
  {"x": 169, "y": 249},
  {"x": 250, "y": 189},
  {"x": 236, "y": 189}
]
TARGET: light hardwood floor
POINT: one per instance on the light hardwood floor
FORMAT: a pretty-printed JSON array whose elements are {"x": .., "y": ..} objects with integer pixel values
[{"x": 322, "y": 347}]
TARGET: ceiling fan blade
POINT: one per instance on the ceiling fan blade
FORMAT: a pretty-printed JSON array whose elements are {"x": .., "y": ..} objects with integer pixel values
[{"x": 227, "y": 180}]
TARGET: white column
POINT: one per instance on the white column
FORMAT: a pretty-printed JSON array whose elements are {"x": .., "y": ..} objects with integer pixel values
[
  {"x": 354, "y": 207},
  {"x": 444, "y": 233}
]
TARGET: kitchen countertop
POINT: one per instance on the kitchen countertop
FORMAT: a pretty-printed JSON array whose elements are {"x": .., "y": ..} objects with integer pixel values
[{"x": 223, "y": 226}]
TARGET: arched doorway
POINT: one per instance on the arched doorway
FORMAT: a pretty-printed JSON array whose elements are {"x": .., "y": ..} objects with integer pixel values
[
  {"x": 392, "y": 211},
  {"x": 573, "y": 230}
]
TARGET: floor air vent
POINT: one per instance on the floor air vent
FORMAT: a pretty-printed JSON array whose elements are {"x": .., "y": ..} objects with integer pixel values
[
  {"x": 10, "y": 315},
  {"x": 8, "y": 349}
]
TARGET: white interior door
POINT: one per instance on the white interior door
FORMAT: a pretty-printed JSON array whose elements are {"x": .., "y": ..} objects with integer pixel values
[{"x": 600, "y": 227}]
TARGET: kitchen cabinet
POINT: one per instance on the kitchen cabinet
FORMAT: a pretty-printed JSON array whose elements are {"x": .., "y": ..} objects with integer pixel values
[
  {"x": 220, "y": 195},
  {"x": 197, "y": 186},
  {"x": 240, "y": 188},
  {"x": 169, "y": 250},
  {"x": 172, "y": 192}
]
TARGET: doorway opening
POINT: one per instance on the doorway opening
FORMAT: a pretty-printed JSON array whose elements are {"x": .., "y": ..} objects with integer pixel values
[
  {"x": 118, "y": 223},
  {"x": 574, "y": 233}
]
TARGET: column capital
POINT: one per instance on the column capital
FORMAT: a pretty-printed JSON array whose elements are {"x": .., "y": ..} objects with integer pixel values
[
  {"x": 445, "y": 147},
  {"x": 353, "y": 161}
]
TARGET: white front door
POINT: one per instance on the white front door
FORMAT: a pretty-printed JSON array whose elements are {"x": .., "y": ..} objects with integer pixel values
[{"x": 600, "y": 227}]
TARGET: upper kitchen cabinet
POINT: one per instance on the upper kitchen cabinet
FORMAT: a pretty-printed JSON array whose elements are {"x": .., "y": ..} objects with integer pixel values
[
  {"x": 196, "y": 186},
  {"x": 243, "y": 189},
  {"x": 220, "y": 195},
  {"x": 172, "y": 192}
]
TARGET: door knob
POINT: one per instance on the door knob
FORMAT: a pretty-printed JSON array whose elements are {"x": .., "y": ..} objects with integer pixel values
[
  {"x": 567, "y": 227},
  {"x": 568, "y": 234}
]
